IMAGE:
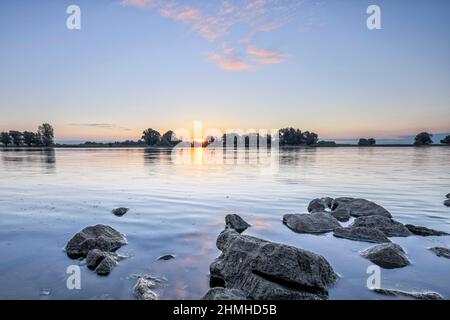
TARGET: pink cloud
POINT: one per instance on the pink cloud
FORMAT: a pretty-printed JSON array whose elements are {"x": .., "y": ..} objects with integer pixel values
[
  {"x": 229, "y": 63},
  {"x": 265, "y": 56}
]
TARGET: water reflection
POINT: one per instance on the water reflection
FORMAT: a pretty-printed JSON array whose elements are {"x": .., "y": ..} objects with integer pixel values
[{"x": 29, "y": 159}]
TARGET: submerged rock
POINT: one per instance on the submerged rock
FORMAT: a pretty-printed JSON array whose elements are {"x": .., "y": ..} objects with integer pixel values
[
  {"x": 422, "y": 231},
  {"x": 267, "y": 270},
  {"x": 320, "y": 204},
  {"x": 447, "y": 203},
  {"x": 388, "y": 226},
  {"x": 167, "y": 257},
  {"x": 143, "y": 289},
  {"x": 316, "y": 222},
  {"x": 425, "y": 295},
  {"x": 342, "y": 215},
  {"x": 360, "y": 207},
  {"x": 441, "y": 252},
  {"x": 120, "y": 211},
  {"x": 99, "y": 237},
  {"x": 235, "y": 222},
  {"x": 361, "y": 234},
  {"x": 388, "y": 256},
  {"x": 224, "y": 294}
]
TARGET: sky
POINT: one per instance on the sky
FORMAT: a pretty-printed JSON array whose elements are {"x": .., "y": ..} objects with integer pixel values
[{"x": 259, "y": 64}]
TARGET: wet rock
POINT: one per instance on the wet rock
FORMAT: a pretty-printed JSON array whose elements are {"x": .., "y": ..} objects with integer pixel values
[
  {"x": 426, "y": 295},
  {"x": 267, "y": 270},
  {"x": 422, "y": 231},
  {"x": 342, "y": 215},
  {"x": 120, "y": 211},
  {"x": 388, "y": 256},
  {"x": 360, "y": 207},
  {"x": 166, "y": 257},
  {"x": 224, "y": 294},
  {"x": 447, "y": 203},
  {"x": 94, "y": 257},
  {"x": 316, "y": 222},
  {"x": 235, "y": 222},
  {"x": 388, "y": 226},
  {"x": 106, "y": 266},
  {"x": 320, "y": 204},
  {"x": 99, "y": 237},
  {"x": 447, "y": 195},
  {"x": 143, "y": 289},
  {"x": 361, "y": 234},
  {"x": 441, "y": 252}
]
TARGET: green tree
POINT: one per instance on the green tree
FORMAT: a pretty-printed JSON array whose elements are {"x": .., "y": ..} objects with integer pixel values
[
  {"x": 5, "y": 138},
  {"x": 151, "y": 137},
  {"x": 29, "y": 138},
  {"x": 45, "y": 131},
  {"x": 16, "y": 137},
  {"x": 423, "y": 138}
]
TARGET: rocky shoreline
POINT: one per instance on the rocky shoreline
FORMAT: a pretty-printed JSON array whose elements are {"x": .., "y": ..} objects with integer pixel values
[{"x": 250, "y": 268}]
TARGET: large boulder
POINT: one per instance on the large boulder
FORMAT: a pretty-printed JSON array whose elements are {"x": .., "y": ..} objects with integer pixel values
[
  {"x": 441, "y": 252},
  {"x": 320, "y": 204},
  {"x": 388, "y": 226},
  {"x": 143, "y": 290},
  {"x": 425, "y": 295},
  {"x": 316, "y": 222},
  {"x": 235, "y": 222},
  {"x": 361, "y": 234},
  {"x": 360, "y": 207},
  {"x": 267, "y": 270},
  {"x": 425, "y": 232},
  {"x": 388, "y": 256},
  {"x": 99, "y": 237},
  {"x": 224, "y": 294}
]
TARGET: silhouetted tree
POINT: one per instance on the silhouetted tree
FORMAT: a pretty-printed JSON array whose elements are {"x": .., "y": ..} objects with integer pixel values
[
  {"x": 29, "y": 138},
  {"x": 446, "y": 140},
  {"x": 423, "y": 138},
  {"x": 151, "y": 137},
  {"x": 45, "y": 131},
  {"x": 16, "y": 137},
  {"x": 5, "y": 138},
  {"x": 310, "y": 138},
  {"x": 169, "y": 139},
  {"x": 294, "y": 137},
  {"x": 367, "y": 142}
]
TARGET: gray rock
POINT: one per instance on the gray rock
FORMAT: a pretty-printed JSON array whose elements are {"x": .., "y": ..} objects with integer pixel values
[
  {"x": 342, "y": 215},
  {"x": 320, "y": 204},
  {"x": 361, "y": 234},
  {"x": 267, "y": 270},
  {"x": 426, "y": 295},
  {"x": 447, "y": 195},
  {"x": 316, "y": 222},
  {"x": 388, "y": 226},
  {"x": 120, "y": 211},
  {"x": 441, "y": 252},
  {"x": 143, "y": 290},
  {"x": 360, "y": 207},
  {"x": 94, "y": 257},
  {"x": 224, "y": 294},
  {"x": 235, "y": 222},
  {"x": 106, "y": 266},
  {"x": 167, "y": 257},
  {"x": 99, "y": 237},
  {"x": 422, "y": 231},
  {"x": 447, "y": 203},
  {"x": 388, "y": 256}
]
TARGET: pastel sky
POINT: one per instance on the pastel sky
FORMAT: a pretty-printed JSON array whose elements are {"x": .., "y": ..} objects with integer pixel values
[{"x": 230, "y": 63}]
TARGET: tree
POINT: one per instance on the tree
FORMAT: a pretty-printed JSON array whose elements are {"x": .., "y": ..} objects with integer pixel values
[
  {"x": 5, "y": 138},
  {"x": 29, "y": 138},
  {"x": 45, "y": 131},
  {"x": 295, "y": 137},
  {"x": 423, "y": 138},
  {"x": 16, "y": 137},
  {"x": 446, "y": 140},
  {"x": 311, "y": 138},
  {"x": 367, "y": 142},
  {"x": 151, "y": 137},
  {"x": 169, "y": 139}
]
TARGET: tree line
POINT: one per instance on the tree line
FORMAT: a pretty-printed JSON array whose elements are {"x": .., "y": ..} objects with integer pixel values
[{"x": 43, "y": 137}]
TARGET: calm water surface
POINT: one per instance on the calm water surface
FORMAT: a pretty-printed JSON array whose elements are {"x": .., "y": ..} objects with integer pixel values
[{"x": 179, "y": 208}]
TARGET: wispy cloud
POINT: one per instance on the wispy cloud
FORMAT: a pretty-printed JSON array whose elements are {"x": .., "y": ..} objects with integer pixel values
[
  {"x": 106, "y": 126},
  {"x": 234, "y": 22}
]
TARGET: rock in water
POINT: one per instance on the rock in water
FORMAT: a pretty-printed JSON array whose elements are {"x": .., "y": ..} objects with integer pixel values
[
  {"x": 361, "y": 234},
  {"x": 447, "y": 203},
  {"x": 422, "y": 231},
  {"x": 106, "y": 266},
  {"x": 235, "y": 222},
  {"x": 120, "y": 211},
  {"x": 320, "y": 204},
  {"x": 342, "y": 215},
  {"x": 441, "y": 252},
  {"x": 94, "y": 257},
  {"x": 388, "y": 256},
  {"x": 426, "y": 295},
  {"x": 316, "y": 222},
  {"x": 167, "y": 257},
  {"x": 143, "y": 289},
  {"x": 360, "y": 207},
  {"x": 99, "y": 237},
  {"x": 447, "y": 195},
  {"x": 388, "y": 226},
  {"x": 267, "y": 270},
  {"x": 224, "y": 294}
]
